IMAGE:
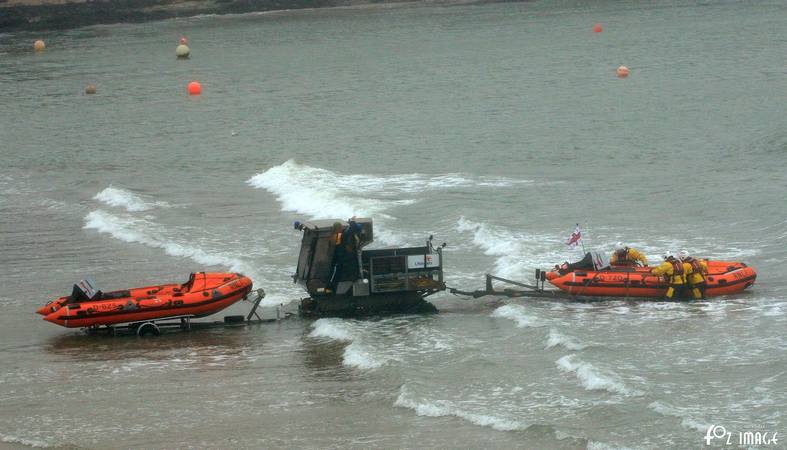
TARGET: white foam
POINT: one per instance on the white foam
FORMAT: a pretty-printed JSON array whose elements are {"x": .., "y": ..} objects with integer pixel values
[
  {"x": 142, "y": 231},
  {"x": 516, "y": 252},
  {"x": 592, "y": 378},
  {"x": 132, "y": 202},
  {"x": 322, "y": 194},
  {"x": 332, "y": 329},
  {"x": 774, "y": 309},
  {"x": 35, "y": 443},
  {"x": 284, "y": 297},
  {"x": 555, "y": 339},
  {"x": 440, "y": 408},
  {"x": 291, "y": 171},
  {"x": 355, "y": 355},
  {"x": 520, "y": 250},
  {"x": 686, "y": 420},
  {"x": 705, "y": 247},
  {"x": 517, "y": 314},
  {"x": 318, "y": 193}
]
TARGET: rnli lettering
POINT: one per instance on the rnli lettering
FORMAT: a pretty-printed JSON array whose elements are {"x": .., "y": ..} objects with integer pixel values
[
  {"x": 738, "y": 274},
  {"x": 423, "y": 261}
]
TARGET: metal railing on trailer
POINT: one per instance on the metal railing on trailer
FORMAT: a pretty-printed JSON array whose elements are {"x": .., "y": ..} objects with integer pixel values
[
  {"x": 404, "y": 269},
  {"x": 537, "y": 290}
]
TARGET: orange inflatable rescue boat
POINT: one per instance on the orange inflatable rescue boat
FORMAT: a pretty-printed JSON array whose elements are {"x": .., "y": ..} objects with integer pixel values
[
  {"x": 203, "y": 294},
  {"x": 581, "y": 279}
]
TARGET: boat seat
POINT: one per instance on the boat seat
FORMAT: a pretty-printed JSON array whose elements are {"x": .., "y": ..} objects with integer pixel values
[{"x": 112, "y": 295}]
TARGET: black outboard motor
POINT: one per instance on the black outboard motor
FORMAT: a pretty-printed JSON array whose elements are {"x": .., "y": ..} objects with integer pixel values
[
  {"x": 85, "y": 290},
  {"x": 584, "y": 263}
]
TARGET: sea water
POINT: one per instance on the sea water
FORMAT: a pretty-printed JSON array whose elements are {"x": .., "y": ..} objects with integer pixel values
[{"x": 494, "y": 127}]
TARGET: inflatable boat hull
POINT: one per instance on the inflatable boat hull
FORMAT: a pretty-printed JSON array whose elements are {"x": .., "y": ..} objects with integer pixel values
[
  {"x": 204, "y": 294},
  {"x": 723, "y": 278}
]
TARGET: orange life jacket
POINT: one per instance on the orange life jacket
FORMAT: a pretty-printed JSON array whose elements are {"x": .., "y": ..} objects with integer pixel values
[{"x": 697, "y": 275}]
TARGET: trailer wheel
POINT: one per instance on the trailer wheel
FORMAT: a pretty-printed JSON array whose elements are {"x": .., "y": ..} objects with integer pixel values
[{"x": 148, "y": 328}]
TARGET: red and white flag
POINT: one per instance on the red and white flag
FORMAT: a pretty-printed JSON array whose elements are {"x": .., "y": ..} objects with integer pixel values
[{"x": 576, "y": 236}]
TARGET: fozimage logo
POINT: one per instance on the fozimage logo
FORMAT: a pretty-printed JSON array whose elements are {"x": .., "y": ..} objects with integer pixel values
[{"x": 719, "y": 434}]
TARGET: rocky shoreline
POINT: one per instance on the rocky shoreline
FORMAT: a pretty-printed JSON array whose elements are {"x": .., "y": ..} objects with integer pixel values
[{"x": 60, "y": 14}]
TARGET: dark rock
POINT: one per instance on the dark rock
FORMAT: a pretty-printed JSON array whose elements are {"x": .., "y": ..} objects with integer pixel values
[{"x": 92, "y": 12}]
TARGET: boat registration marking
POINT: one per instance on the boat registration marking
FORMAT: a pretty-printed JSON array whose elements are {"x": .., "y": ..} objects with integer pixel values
[
  {"x": 607, "y": 277},
  {"x": 738, "y": 273}
]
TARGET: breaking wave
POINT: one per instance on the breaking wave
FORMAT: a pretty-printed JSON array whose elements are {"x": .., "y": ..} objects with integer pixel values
[
  {"x": 318, "y": 193},
  {"x": 322, "y": 194},
  {"x": 440, "y": 408},
  {"x": 518, "y": 315},
  {"x": 35, "y": 443},
  {"x": 685, "y": 419},
  {"x": 332, "y": 329},
  {"x": 297, "y": 175},
  {"x": 122, "y": 198},
  {"x": 134, "y": 230},
  {"x": 370, "y": 345},
  {"x": 143, "y": 231},
  {"x": 355, "y": 354},
  {"x": 592, "y": 378},
  {"x": 517, "y": 253},
  {"x": 556, "y": 339}
]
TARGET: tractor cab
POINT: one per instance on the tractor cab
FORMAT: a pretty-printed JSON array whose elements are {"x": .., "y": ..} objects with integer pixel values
[{"x": 333, "y": 264}]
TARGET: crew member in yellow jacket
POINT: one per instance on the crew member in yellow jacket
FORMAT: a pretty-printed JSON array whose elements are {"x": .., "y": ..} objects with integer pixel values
[
  {"x": 671, "y": 269},
  {"x": 625, "y": 256},
  {"x": 695, "y": 274}
]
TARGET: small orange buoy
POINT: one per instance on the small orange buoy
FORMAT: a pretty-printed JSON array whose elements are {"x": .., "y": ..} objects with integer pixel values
[
  {"x": 39, "y": 46},
  {"x": 623, "y": 72},
  {"x": 90, "y": 89},
  {"x": 184, "y": 41},
  {"x": 597, "y": 28},
  {"x": 195, "y": 88}
]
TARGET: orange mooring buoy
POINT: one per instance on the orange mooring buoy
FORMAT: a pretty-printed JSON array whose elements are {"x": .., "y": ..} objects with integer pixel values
[
  {"x": 39, "y": 46},
  {"x": 597, "y": 28},
  {"x": 623, "y": 71},
  {"x": 195, "y": 88}
]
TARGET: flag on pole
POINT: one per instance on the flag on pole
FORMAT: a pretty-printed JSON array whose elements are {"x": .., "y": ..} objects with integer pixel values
[{"x": 575, "y": 238}]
